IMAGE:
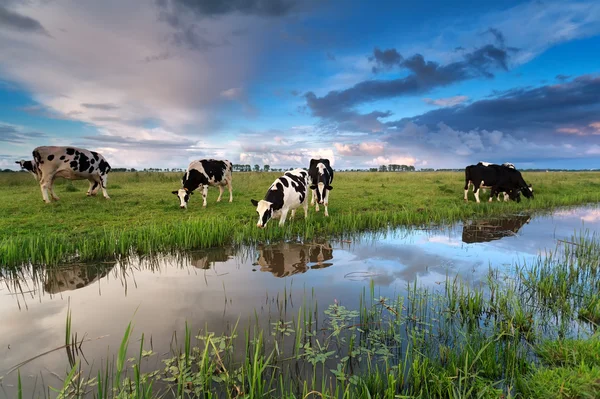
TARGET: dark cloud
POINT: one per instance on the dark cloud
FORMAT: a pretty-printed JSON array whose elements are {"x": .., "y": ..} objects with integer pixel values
[
  {"x": 386, "y": 59},
  {"x": 562, "y": 78},
  {"x": 11, "y": 134},
  {"x": 425, "y": 76},
  {"x": 157, "y": 57},
  {"x": 105, "y": 107},
  {"x": 330, "y": 56},
  {"x": 498, "y": 35},
  {"x": 267, "y": 8},
  {"x": 12, "y": 20},
  {"x": 542, "y": 110}
]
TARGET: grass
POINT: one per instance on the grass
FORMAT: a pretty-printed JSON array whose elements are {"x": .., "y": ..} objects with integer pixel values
[
  {"x": 507, "y": 338},
  {"x": 143, "y": 216}
]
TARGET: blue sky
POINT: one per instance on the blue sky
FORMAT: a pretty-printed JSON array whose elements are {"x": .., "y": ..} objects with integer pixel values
[{"x": 158, "y": 83}]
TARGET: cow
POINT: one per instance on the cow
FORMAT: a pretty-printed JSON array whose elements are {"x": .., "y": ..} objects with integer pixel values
[
  {"x": 499, "y": 178},
  {"x": 508, "y": 165},
  {"x": 321, "y": 176},
  {"x": 204, "y": 173},
  {"x": 287, "y": 193},
  {"x": 71, "y": 163}
]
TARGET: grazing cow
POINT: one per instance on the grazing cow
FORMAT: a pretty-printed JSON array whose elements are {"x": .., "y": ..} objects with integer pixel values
[
  {"x": 287, "y": 193},
  {"x": 508, "y": 165},
  {"x": 499, "y": 179},
  {"x": 321, "y": 177},
  {"x": 70, "y": 163},
  {"x": 204, "y": 173},
  {"x": 62, "y": 279}
]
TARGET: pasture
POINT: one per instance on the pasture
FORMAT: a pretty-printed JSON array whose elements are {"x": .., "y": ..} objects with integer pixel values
[{"x": 143, "y": 215}]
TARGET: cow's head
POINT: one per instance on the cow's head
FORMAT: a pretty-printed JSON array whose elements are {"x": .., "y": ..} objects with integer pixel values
[
  {"x": 322, "y": 186},
  {"x": 527, "y": 191},
  {"x": 28, "y": 166},
  {"x": 265, "y": 212},
  {"x": 184, "y": 196}
]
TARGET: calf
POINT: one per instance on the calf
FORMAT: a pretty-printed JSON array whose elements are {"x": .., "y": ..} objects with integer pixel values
[
  {"x": 287, "y": 193},
  {"x": 499, "y": 178},
  {"x": 321, "y": 176},
  {"x": 70, "y": 163},
  {"x": 204, "y": 173}
]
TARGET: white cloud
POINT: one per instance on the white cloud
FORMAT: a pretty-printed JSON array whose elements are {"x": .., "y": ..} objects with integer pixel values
[
  {"x": 362, "y": 149},
  {"x": 446, "y": 102}
]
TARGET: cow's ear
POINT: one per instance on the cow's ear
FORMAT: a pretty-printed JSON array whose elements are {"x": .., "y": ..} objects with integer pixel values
[
  {"x": 19, "y": 162},
  {"x": 174, "y": 192},
  {"x": 313, "y": 187},
  {"x": 329, "y": 188},
  {"x": 254, "y": 202}
]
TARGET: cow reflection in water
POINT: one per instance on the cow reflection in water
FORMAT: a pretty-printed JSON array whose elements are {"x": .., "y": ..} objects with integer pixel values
[
  {"x": 74, "y": 277},
  {"x": 285, "y": 259},
  {"x": 206, "y": 259},
  {"x": 493, "y": 229}
]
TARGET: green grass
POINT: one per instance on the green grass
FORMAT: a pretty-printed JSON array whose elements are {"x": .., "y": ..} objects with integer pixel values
[
  {"x": 143, "y": 216},
  {"x": 498, "y": 340}
]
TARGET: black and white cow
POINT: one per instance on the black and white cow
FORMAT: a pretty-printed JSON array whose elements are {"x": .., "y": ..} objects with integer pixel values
[
  {"x": 70, "y": 163},
  {"x": 497, "y": 177},
  {"x": 204, "y": 173},
  {"x": 320, "y": 177},
  {"x": 508, "y": 165},
  {"x": 287, "y": 193}
]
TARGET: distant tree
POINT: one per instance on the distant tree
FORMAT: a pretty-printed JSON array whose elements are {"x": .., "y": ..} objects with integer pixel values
[
  {"x": 256, "y": 168},
  {"x": 373, "y": 170},
  {"x": 266, "y": 168},
  {"x": 383, "y": 168}
]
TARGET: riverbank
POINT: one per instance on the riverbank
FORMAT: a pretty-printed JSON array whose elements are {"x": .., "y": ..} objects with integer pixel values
[{"x": 143, "y": 216}]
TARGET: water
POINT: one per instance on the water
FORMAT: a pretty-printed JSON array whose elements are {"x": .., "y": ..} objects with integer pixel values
[{"x": 218, "y": 287}]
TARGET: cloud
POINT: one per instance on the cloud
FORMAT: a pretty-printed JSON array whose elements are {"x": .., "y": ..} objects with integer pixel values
[
  {"x": 22, "y": 23},
  {"x": 562, "y": 78},
  {"x": 238, "y": 95},
  {"x": 386, "y": 59},
  {"x": 446, "y": 102},
  {"x": 105, "y": 107},
  {"x": 525, "y": 111},
  {"x": 208, "y": 8},
  {"x": 17, "y": 135},
  {"x": 362, "y": 149},
  {"x": 425, "y": 76}
]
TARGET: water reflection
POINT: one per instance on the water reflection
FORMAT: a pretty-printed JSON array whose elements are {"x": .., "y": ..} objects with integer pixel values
[
  {"x": 288, "y": 258},
  {"x": 487, "y": 230},
  {"x": 218, "y": 287},
  {"x": 74, "y": 277}
]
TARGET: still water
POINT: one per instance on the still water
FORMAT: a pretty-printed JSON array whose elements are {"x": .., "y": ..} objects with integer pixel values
[{"x": 213, "y": 289}]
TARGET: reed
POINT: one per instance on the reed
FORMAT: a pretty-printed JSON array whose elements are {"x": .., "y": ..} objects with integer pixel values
[{"x": 505, "y": 339}]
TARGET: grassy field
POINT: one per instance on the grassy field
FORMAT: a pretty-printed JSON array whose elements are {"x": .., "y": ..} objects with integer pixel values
[
  {"x": 531, "y": 333},
  {"x": 143, "y": 215}
]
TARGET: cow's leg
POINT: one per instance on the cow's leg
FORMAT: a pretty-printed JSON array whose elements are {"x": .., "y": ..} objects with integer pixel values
[
  {"x": 312, "y": 200},
  {"x": 326, "y": 202},
  {"x": 51, "y": 189},
  {"x": 204, "y": 194},
  {"x": 103, "y": 181},
  {"x": 476, "y": 192},
  {"x": 44, "y": 184},
  {"x": 293, "y": 215},
  {"x": 230, "y": 190},
  {"x": 284, "y": 213},
  {"x": 467, "y": 184},
  {"x": 220, "y": 193},
  {"x": 305, "y": 206},
  {"x": 92, "y": 186},
  {"x": 506, "y": 197}
]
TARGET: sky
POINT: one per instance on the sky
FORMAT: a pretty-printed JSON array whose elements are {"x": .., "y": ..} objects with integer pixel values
[{"x": 437, "y": 84}]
